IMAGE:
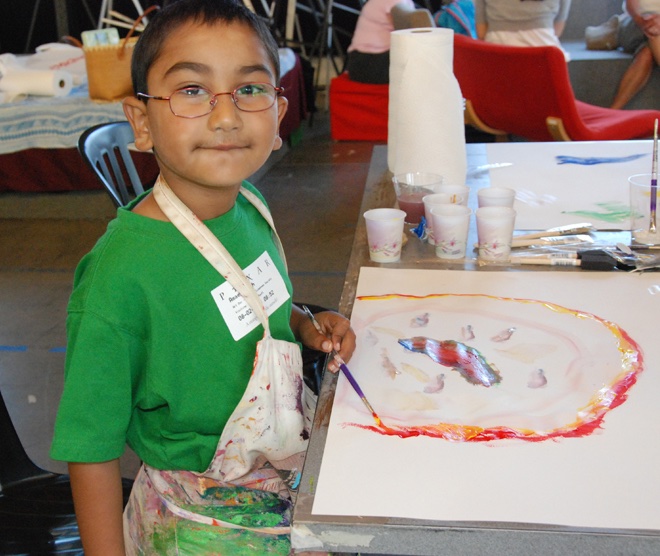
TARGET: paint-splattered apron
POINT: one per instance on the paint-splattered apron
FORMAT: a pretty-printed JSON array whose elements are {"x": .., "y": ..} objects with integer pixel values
[{"x": 242, "y": 504}]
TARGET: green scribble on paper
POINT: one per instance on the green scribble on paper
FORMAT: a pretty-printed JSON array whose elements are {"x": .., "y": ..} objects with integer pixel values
[{"x": 610, "y": 212}]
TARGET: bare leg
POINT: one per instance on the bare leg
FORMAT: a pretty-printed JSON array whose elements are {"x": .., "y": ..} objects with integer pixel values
[
  {"x": 635, "y": 77},
  {"x": 654, "y": 45}
]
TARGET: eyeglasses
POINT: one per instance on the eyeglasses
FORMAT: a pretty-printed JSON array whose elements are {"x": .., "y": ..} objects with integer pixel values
[{"x": 195, "y": 102}]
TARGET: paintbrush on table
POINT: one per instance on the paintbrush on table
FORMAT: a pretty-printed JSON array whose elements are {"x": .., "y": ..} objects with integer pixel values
[
  {"x": 569, "y": 229},
  {"x": 592, "y": 259},
  {"x": 344, "y": 369},
  {"x": 546, "y": 241},
  {"x": 654, "y": 179}
]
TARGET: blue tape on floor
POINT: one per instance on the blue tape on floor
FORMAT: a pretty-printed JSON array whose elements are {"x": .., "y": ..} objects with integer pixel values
[
  {"x": 57, "y": 350},
  {"x": 13, "y": 348}
]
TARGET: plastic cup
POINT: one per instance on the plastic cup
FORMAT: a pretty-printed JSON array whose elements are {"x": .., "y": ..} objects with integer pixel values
[
  {"x": 496, "y": 197},
  {"x": 411, "y": 188},
  {"x": 430, "y": 201},
  {"x": 495, "y": 232},
  {"x": 384, "y": 234},
  {"x": 450, "y": 225},
  {"x": 644, "y": 228},
  {"x": 459, "y": 193}
]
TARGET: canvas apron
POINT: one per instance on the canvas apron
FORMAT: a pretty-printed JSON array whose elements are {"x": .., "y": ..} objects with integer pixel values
[{"x": 242, "y": 503}]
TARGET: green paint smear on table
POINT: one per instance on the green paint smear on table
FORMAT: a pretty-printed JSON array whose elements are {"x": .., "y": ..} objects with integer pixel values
[{"x": 611, "y": 212}]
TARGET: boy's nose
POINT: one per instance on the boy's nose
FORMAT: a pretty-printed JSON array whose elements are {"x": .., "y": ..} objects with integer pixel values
[{"x": 224, "y": 113}]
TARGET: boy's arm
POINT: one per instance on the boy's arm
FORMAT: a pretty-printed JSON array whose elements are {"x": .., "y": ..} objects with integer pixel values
[{"x": 98, "y": 499}]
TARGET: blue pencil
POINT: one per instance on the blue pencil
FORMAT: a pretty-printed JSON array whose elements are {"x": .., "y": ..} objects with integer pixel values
[{"x": 344, "y": 369}]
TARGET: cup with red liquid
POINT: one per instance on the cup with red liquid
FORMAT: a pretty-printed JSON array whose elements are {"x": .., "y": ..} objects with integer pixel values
[{"x": 411, "y": 188}]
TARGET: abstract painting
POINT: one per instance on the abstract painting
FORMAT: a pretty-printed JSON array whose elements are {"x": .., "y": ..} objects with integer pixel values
[{"x": 498, "y": 393}]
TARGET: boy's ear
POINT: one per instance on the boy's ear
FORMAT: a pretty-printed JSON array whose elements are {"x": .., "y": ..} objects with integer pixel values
[
  {"x": 282, "y": 105},
  {"x": 136, "y": 113}
]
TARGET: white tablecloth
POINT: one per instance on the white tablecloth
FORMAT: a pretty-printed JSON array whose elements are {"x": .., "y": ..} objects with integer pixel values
[{"x": 52, "y": 122}]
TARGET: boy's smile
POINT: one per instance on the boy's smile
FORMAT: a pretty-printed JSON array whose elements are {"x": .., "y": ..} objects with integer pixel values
[{"x": 205, "y": 159}]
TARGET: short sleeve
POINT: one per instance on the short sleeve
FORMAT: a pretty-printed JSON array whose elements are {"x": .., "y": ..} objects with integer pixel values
[{"x": 98, "y": 376}]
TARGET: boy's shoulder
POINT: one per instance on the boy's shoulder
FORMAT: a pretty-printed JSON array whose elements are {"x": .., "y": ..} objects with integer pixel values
[
  {"x": 253, "y": 189},
  {"x": 127, "y": 240}
]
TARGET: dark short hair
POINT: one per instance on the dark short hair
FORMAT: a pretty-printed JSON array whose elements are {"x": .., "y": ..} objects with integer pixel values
[{"x": 163, "y": 22}]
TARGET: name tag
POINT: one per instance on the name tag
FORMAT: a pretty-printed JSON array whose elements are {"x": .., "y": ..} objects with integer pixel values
[{"x": 267, "y": 281}]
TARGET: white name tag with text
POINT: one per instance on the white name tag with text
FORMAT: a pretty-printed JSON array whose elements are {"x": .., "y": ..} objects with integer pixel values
[{"x": 267, "y": 281}]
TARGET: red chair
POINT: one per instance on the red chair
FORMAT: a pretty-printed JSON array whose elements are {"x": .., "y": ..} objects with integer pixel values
[
  {"x": 358, "y": 111},
  {"x": 526, "y": 91}
]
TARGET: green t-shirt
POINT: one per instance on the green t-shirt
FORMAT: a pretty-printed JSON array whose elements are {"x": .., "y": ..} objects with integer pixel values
[{"x": 150, "y": 360}]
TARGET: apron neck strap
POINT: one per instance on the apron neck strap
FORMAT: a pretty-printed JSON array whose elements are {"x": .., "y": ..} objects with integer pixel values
[{"x": 210, "y": 246}]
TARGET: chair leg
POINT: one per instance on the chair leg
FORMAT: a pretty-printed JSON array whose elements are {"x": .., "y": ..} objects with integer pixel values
[
  {"x": 556, "y": 129},
  {"x": 471, "y": 118}
]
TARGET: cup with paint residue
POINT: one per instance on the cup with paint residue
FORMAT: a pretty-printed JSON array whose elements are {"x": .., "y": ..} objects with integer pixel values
[
  {"x": 411, "y": 188},
  {"x": 496, "y": 197},
  {"x": 430, "y": 201},
  {"x": 459, "y": 193},
  {"x": 384, "y": 234},
  {"x": 495, "y": 232},
  {"x": 450, "y": 226}
]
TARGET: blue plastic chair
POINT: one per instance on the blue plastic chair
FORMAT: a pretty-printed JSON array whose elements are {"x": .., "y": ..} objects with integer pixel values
[{"x": 105, "y": 148}]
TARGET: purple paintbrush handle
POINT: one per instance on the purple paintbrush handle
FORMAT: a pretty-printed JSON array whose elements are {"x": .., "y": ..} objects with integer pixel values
[{"x": 350, "y": 378}]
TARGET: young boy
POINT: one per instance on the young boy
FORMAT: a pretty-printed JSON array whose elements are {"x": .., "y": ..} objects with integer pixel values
[{"x": 157, "y": 356}]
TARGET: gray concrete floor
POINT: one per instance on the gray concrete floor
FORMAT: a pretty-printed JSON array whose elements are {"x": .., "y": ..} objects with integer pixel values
[{"x": 314, "y": 190}]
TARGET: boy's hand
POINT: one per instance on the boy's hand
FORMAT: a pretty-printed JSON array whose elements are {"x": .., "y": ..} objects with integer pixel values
[{"x": 337, "y": 335}]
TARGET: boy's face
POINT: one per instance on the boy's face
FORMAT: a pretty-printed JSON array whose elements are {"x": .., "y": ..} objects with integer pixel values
[{"x": 219, "y": 150}]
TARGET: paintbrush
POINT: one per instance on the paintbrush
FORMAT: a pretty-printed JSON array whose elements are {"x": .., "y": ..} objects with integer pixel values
[
  {"x": 654, "y": 178},
  {"x": 546, "y": 241},
  {"x": 592, "y": 259},
  {"x": 551, "y": 240},
  {"x": 344, "y": 369},
  {"x": 569, "y": 229}
]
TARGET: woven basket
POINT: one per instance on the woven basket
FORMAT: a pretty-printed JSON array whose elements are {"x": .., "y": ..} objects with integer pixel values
[
  {"x": 109, "y": 69},
  {"x": 109, "y": 66}
]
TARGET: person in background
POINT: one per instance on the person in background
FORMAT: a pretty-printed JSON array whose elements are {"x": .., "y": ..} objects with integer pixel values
[
  {"x": 638, "y": 34},
  {"x": 457, "y": 15},
  {"x": 522, "y": 22},
  {"x": 369, "y": 51}
]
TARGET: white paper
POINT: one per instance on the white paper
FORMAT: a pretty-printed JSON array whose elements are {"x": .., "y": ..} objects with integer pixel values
[
  {"x": 59, "y": 56},
  {"x": 550, "y": 194},
  {"x": 18, "y": 77},
  {"x": 35, "y": 82},
  {"x": 426, "y": 132},
  {"x": 605, "y": 479}
]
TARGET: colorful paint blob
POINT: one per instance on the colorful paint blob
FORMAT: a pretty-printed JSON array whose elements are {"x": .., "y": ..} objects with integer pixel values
[
  {"x": 467, "y": 361},
  {"x": 559, "y": 375}
]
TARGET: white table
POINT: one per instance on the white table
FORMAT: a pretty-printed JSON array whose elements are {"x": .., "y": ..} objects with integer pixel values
[{"x": 383, "y": 535}]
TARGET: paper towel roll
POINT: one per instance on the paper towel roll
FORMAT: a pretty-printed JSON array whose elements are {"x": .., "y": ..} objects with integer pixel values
[
  {"x": 426, "y": 132},
  {"x": 18, "y": 81}
]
